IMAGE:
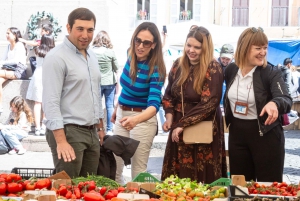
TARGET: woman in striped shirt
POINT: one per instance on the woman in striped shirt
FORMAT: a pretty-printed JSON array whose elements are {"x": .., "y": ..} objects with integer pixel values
[{"x": 142, "y": 79}]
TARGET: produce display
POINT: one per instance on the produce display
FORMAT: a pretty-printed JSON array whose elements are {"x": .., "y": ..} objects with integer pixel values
[
  {"x": 173, "y": 188},
  {"x": 281, "y": 189}
]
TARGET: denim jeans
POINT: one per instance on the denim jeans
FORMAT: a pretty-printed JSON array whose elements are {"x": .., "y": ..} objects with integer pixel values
[
  {"x": 13, "y": 137},
  {"x": 109, "y": 94}
]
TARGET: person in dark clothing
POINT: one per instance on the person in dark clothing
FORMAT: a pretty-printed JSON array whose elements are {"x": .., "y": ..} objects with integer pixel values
[
  {"x": 286, "y": 72},
  {"x": 255, "y": 98}
]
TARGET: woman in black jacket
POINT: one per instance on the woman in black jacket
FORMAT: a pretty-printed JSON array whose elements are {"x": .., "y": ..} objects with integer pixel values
[{"x": 255, "y": 99}]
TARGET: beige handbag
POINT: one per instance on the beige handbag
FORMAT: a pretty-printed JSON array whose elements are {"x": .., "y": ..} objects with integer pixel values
[{"x": 201, "y": 132}]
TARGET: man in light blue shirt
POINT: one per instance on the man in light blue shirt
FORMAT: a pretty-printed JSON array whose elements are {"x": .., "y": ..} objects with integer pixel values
[{"x": 71, "y": 99}]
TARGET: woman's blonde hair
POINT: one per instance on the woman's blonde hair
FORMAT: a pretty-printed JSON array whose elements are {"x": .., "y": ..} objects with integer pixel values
[
  {"x": 21, "y": 106},
  {"x": 250, "y": 36},
  {"x": 155, "y": 56},
  {"x": 202, "y": 35}
]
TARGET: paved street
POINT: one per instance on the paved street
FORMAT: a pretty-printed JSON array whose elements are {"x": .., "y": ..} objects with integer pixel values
[{"x": 44, "y": 159}]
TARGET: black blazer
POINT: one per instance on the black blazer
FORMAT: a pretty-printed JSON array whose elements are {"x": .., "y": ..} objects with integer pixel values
[{"x": 268, "y": 85}]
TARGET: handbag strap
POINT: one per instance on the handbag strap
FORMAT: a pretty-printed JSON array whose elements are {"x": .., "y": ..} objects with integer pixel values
[{"x": 183, "y": 107}]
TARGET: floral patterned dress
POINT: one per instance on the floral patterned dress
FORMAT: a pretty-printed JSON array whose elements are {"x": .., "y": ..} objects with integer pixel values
[{"x": 202, "y": 162}]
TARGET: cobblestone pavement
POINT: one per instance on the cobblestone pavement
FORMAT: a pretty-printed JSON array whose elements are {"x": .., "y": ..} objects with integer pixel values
[
  {"x": 44, "y": 159},
  {"x": 292, "y": 156}
]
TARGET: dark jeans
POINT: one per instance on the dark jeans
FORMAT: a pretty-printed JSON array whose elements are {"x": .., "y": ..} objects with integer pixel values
[
  {"x": 87, "y": 150},
  {"x": 259, "y": 158},
  {"x": 109, "y": 94}
]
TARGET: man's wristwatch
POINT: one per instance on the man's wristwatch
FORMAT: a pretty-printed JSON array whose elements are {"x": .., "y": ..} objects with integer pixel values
[{"x": 100, "y": 129}]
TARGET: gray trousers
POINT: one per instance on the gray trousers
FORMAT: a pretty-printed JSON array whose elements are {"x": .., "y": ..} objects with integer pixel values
[{"x": 87, "y": 150}]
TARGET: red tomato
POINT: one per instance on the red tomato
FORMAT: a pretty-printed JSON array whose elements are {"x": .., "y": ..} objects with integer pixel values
[
  {"x": 42, "y": 183},
  {"x": 109, "y": 196},
  {"x": 8, "y": 179},
  {"x": 68, "y": 194},
  {"x": 20, "y": 187},
  {"x": 121, "y": 188},
  {"x": 12, "y": 195},
  {"x": 93, "y": 197},
  {"x": 103, "y": 190},
  {"x": 62, "y": 190},
  {"x": 15, "y": 177},
  {"x": 13, "y": 187},
  {"x": 3, "y": 188},
  {"x": 91, "y": 185},
  {"x": 48, "y": 182},
  {"x": 80, "y": 185},
  {"x": 30, "y": 186},
  {"x": 114, "y": 192}
]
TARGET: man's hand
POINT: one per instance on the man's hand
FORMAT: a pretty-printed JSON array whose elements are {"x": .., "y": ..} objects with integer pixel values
[
  {"x": 113, "y": 116},
  {"x": 272, "y": 111},
  {"x": 101, "y": 136},
  {"x": 65, "y": 151}
]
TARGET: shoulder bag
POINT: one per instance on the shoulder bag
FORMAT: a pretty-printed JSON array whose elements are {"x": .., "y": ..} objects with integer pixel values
[{"x": 201, "y": 132}]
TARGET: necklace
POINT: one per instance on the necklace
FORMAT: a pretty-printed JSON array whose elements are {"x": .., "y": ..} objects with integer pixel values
[{"x": 139, "y": 70}]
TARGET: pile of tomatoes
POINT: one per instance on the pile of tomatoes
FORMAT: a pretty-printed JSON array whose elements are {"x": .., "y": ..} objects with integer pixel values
[
  {"x": 13, "y": 185},
  {"x": 282, "y": 189},
  {"x": 87, "y": 190}
]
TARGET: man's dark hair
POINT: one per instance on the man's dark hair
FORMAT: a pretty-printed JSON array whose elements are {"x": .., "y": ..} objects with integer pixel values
[
  {"x": 287, "y": 61},
  {"x": 81, "y": 14},
  {"x": 48, "y": 27}
]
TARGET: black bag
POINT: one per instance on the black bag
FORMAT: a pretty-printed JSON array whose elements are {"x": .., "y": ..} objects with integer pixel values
[
  {"x": 9, "y": 67},
  {"x": 32, "y": 61},
  {"x": 107, "y": 164},
  {"x": 20, "y": 69},
  {"x": 4, "y": 146}
]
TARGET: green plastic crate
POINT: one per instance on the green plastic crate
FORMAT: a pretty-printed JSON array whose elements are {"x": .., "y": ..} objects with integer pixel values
[
  {"x": 221, "y": 182},
  {"x": 145, "y": 177}
]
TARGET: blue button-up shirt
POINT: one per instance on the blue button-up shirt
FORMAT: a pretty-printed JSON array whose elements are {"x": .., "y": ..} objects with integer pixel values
[{"x": 71, "y": 87}]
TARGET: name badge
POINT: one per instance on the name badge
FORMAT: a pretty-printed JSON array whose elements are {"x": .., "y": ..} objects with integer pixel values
[{"x": 241, "y": 108}]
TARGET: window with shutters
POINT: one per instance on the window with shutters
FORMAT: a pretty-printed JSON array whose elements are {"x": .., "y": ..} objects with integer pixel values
[
  {"x": 143, "y": 10},
  {"x": 280, "y": 10},
  {"x": 240, "y": 13}
]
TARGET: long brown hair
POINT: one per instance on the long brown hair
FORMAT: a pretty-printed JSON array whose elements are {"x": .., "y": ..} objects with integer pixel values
[
  {"x": 21, "y": 106},
  {"x": 155, "y": 56},
  {"x": 47, "y": 43},
  {"x": 202, "y": 35},
  {"x": 250, "y": 36}
]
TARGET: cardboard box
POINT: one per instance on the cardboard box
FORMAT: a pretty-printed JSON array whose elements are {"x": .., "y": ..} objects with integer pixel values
[
  {"x": 60, "y": 178},
  {"x": 133, "y": 196},
  {"x": 40, "y": 195},
  {"x": 148, "y": 188}
]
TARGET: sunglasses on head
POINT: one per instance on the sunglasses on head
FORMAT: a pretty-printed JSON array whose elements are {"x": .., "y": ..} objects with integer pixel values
[
  {"x": 254, "y": 30},
  {"x": 146, "y": 43}
]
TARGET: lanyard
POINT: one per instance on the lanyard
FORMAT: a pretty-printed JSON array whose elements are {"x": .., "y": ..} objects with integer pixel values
[{"x": 237, "y": 90}]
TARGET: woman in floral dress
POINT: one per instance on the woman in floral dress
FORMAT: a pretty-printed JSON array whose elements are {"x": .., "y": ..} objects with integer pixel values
[{"x": 201, "y": 78}]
